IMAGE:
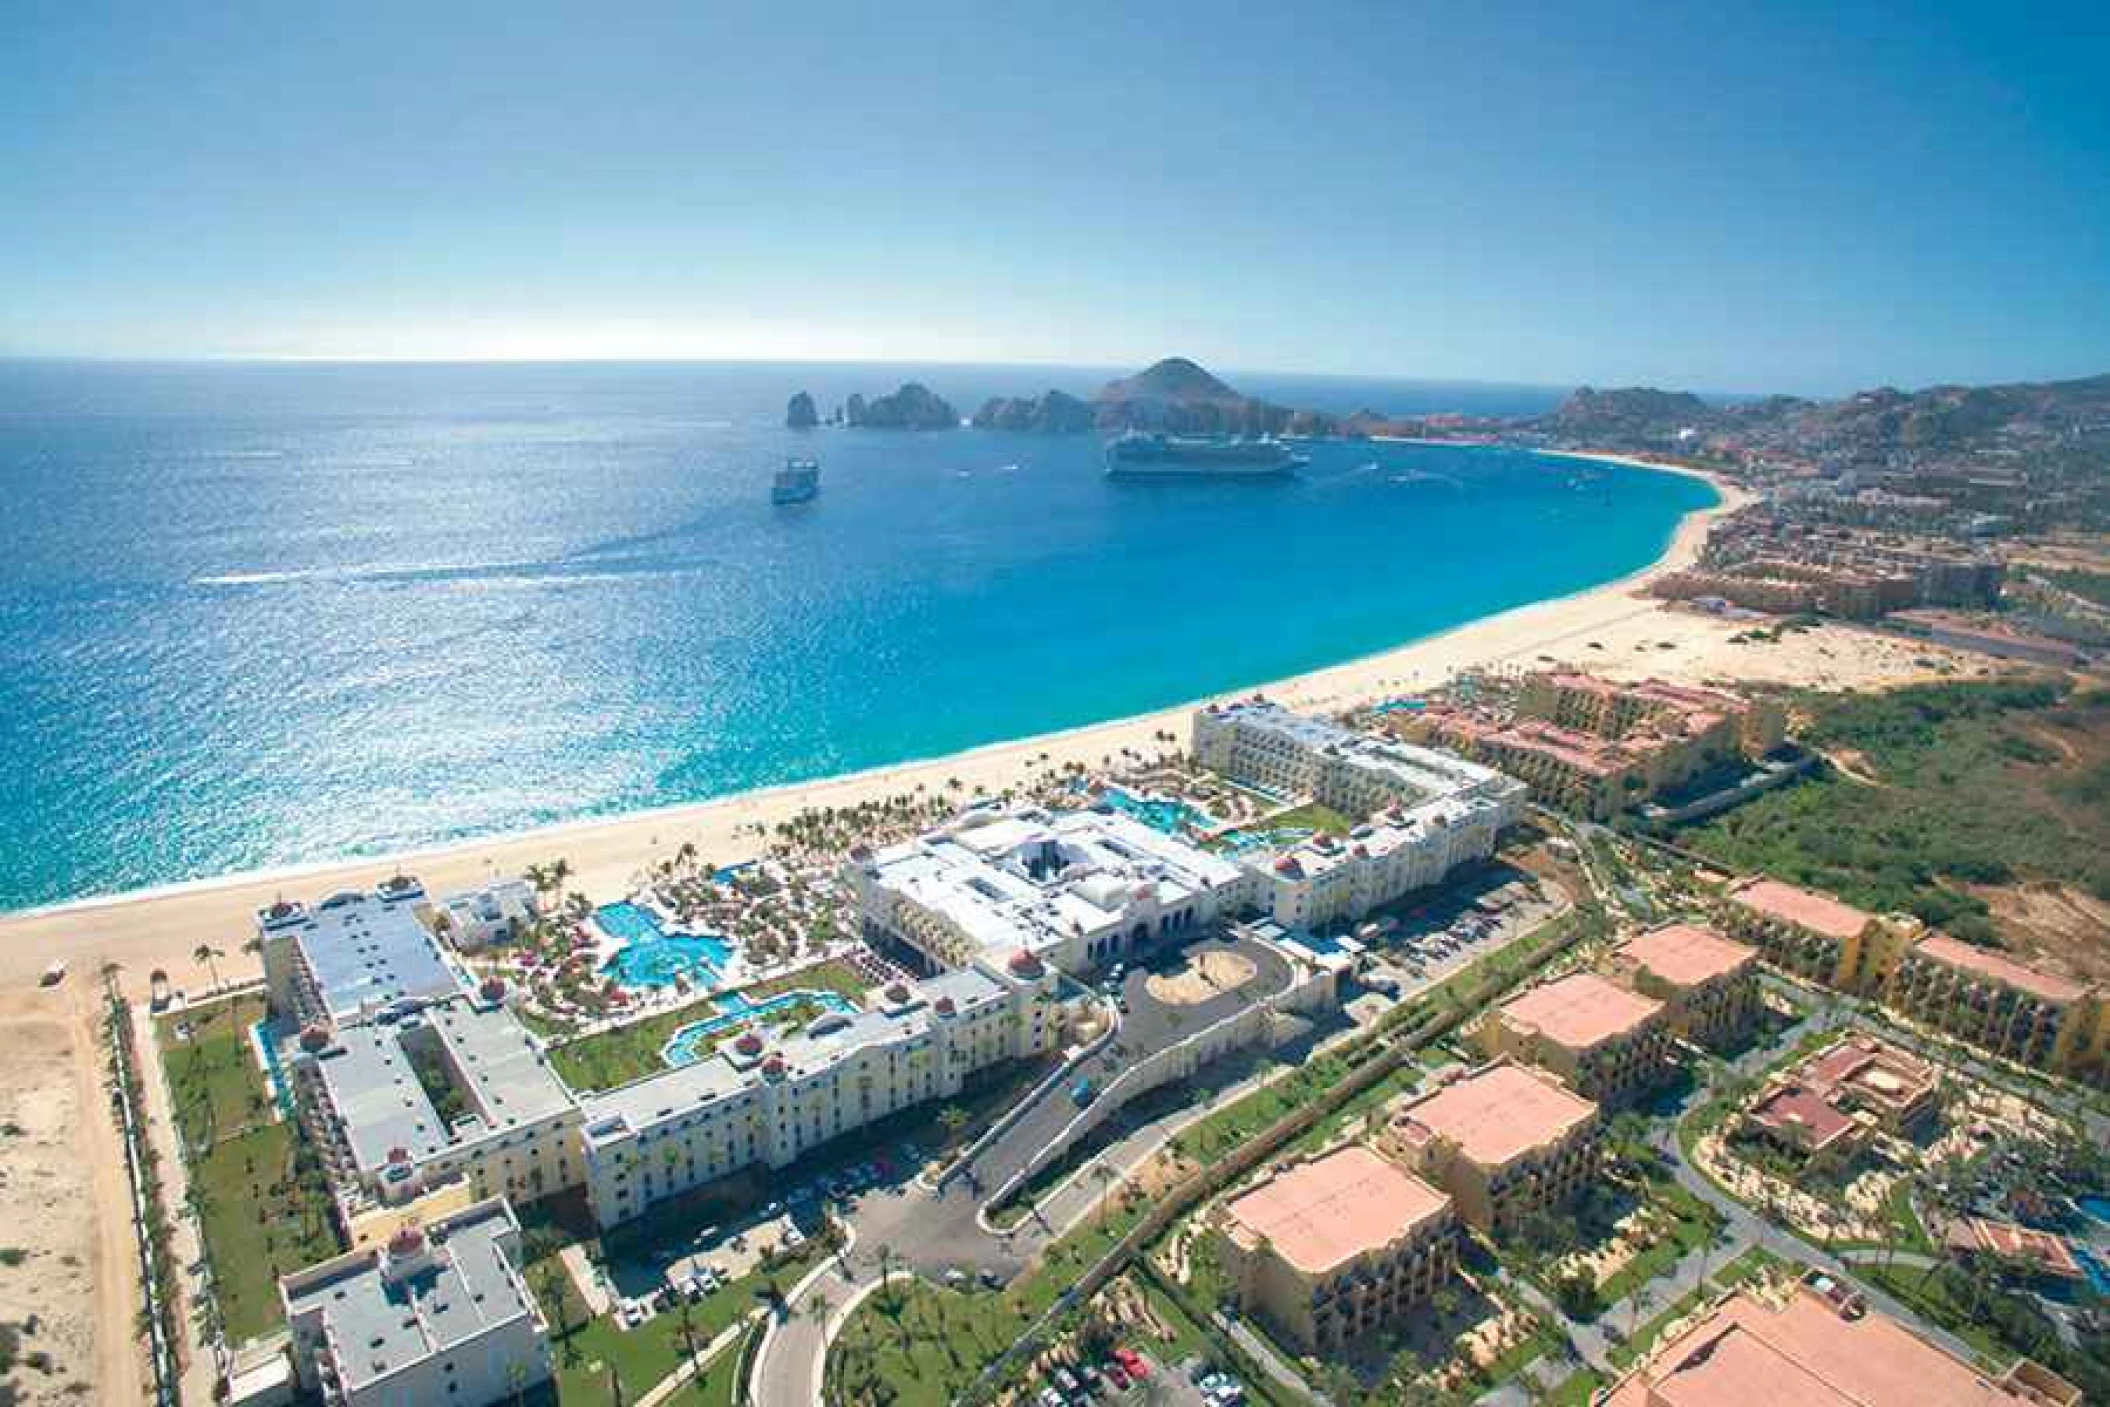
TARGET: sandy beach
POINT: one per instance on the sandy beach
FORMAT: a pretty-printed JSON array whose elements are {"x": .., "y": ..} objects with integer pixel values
[{"x": 1613, "y": 629}]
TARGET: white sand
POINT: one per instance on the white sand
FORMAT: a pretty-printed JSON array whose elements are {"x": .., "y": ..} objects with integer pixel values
[{"x": 160, "y": 928}]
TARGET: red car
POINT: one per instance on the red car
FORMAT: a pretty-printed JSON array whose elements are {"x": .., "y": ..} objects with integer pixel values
[{"x": 1134, "y": 1362}]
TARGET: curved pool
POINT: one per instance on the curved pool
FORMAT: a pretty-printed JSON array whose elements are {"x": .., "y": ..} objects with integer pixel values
[{"x": 694, "y": 1041}]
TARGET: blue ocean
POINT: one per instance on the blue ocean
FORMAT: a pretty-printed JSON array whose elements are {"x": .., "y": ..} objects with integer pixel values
[{"x": 265, "y": 614}]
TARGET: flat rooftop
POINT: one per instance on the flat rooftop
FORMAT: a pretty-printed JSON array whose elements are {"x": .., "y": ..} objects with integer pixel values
[
  {"x": 1954, "y": 952},
  {"x": 1817, "y": 912},
  {"x": 386, "y": 1312},
  {"x": 1686, "y": 954},
  {"x": 1580, "y": 1010},
  {"x": 1499, "y": 1113},
  {"x": 1807, "y": 1352},
  {"x": 1323, "y": 1214},
  {"x": 382, "y": 1105},
  {"x": 367, "y": 952}
]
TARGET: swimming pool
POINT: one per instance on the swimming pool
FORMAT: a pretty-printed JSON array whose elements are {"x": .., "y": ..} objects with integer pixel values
[
  {"x": 652, "y": 957},
  {"x": 1160, "y": 813},
  {"x": 2098, "y": 1273},
  {"x": 1279, "y": 839},
  {"x": 2096, "y": 1205},
  {"x": 281, "y": 1087},
  {"x": 688, "y": 1045}
]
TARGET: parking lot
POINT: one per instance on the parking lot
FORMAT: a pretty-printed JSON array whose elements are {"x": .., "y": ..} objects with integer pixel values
[{"x": 1415, "y": 946}]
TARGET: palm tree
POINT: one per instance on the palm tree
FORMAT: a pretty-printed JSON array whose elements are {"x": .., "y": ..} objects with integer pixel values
[
  {"x": 207, "y": 954},
  {"x": 1107, "y": 1179}
]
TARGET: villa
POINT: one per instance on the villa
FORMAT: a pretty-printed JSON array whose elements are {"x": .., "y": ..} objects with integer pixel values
[
  {"x": 1819, "y": 1346},
  {"x": 1606, "y": 1042},
  {"x": 1708, "y": 984},
  {"x": 440, "y": 1314},
  {"x": 1828, "y": 1107},
  {"x": 1077, "y": 890},
  {"x": 478, "y": 918},
  {"x": 1333, "y": 1248},
  {"x": 1506, "y": 1141}
]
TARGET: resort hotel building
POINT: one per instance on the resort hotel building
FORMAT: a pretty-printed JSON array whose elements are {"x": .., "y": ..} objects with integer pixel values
[
  {"x": 1828, "y": 1106},
  {"x": 1506, "y": 1141},
  {"x": 1077, "y": 890},
  {"x": 1815, "y": 1343},
  {"x": 1331, "y": 1249},
  {"x": 477, "y": 918},
  {"x": 1708, "y": 984},
  {"x": 1420, "y": 813},
  {"x": 1606, "y": 1042},
  {"x": 415, "y": 1081},
  {"x": 763, "y": 1101},
  {"x": 439, "y": 1314}
]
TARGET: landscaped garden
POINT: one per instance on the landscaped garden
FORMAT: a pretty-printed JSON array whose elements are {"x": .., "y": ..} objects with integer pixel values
[{"x": 260, "y": 1197}]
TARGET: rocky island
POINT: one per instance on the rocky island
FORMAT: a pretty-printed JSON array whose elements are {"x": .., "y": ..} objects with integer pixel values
[
  {"x": 800, "y": 413},
  {"x": 913, "y": 407}
]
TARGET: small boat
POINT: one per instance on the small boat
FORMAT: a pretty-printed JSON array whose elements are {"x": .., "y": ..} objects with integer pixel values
[{"x": 797, "y": 482}]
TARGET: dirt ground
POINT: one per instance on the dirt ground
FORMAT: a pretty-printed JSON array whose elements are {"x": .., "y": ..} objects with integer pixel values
[
  {"x": 2061, "y": 927},
  {"x": 1201, "y": 978},
  {"x": 67, "y": 1279}
]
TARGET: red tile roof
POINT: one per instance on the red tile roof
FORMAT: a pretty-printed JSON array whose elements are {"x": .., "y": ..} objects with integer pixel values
[{"x": 1322, "y": 1214}]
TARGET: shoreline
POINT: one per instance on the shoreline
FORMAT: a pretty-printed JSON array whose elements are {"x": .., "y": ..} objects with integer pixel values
[{"x": 161, "y": 925}]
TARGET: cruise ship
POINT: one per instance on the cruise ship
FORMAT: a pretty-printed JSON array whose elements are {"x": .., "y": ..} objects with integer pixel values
[
  {"x": 798, "y": 481},
  {"x": 1139, "y": 453}
]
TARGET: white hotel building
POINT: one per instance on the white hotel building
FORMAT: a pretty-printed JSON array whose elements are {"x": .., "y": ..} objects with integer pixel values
[
  {"x": 1422, "y": 812},
  {"x": 1076, "y": 889},
  {"x": 757, "y": 1100}
]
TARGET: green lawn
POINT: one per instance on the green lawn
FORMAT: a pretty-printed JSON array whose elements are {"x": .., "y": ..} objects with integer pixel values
[
  {"x": 257, "y": 1219},
  {"x": 587, "y": 1351},
  {"x": 212, "y": 1071},
  {"x": 831, "y": 976},
  {"x": 258, "y": 1223},
  {"x": 1692, "y": 1224},
  {"x": 1312, "y": 816},
  {"x": 610, "y": 1058}
]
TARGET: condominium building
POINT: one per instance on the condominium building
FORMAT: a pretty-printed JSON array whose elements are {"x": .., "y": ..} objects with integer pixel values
[
  {"x": 763, "y": 1101},
  {"x": 456, "y": 1089},
  {"x": 1595, "y": 748},
  {"x": 1708, "y": 984},
  {"x": 1606, "y": 1042},
  {"x": 1508, "y": 1142},
  {"x": 1812, "y": 935},
  {"x": 2003, "y": 1006},
  {"x": 353, "y": 957},
  {"x": 1421, "y": 813},
  {"x": 1331, "y": 1249},
  {"x": 1817, "y": 1344},
  {"x": 1710, "y": 723},
  {"x": 440, "y": 1314},
  {"x": 1076, "y": 889}
]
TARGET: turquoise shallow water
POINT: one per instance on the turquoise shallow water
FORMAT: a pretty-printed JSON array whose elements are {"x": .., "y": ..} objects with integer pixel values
[{"x": 267, "y": 615}]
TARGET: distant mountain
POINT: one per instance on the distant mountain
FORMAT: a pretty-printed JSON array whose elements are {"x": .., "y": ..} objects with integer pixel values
[
  {"x": 913, "y": 407},
  {"x": 1177, "y": 395},
  {"x": 1626, "y": 415}
]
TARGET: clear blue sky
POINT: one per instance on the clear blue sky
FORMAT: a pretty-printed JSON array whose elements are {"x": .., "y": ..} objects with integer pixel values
[{"x": 1724, "y": 197}]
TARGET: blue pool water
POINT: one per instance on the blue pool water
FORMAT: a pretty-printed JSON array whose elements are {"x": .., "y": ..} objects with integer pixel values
[
  {"x": 735, "y": 1009},
  {"x": 652, "y": 957},
  {"x": 2095, "y": 1205},
  {"x": 237, "y": 601},
  {"x": 1279, "y": 838},
  {"x": 1157, "y": 812},
  {"x": 2098, "y": 1273},
  {"x": 281, "y": 1087}
]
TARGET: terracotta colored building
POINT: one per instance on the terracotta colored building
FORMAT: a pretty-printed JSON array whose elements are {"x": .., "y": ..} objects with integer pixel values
[
  {"x": 1708, "y": 984},
  {"x": 1331, "y": 1249},
  {"x": 1506, "y": 1141},
  {"x": 1608, "y": 1043}
]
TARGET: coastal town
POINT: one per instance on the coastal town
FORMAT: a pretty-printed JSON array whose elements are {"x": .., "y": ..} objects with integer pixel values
[{"x": 1434, "y": 1038}]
